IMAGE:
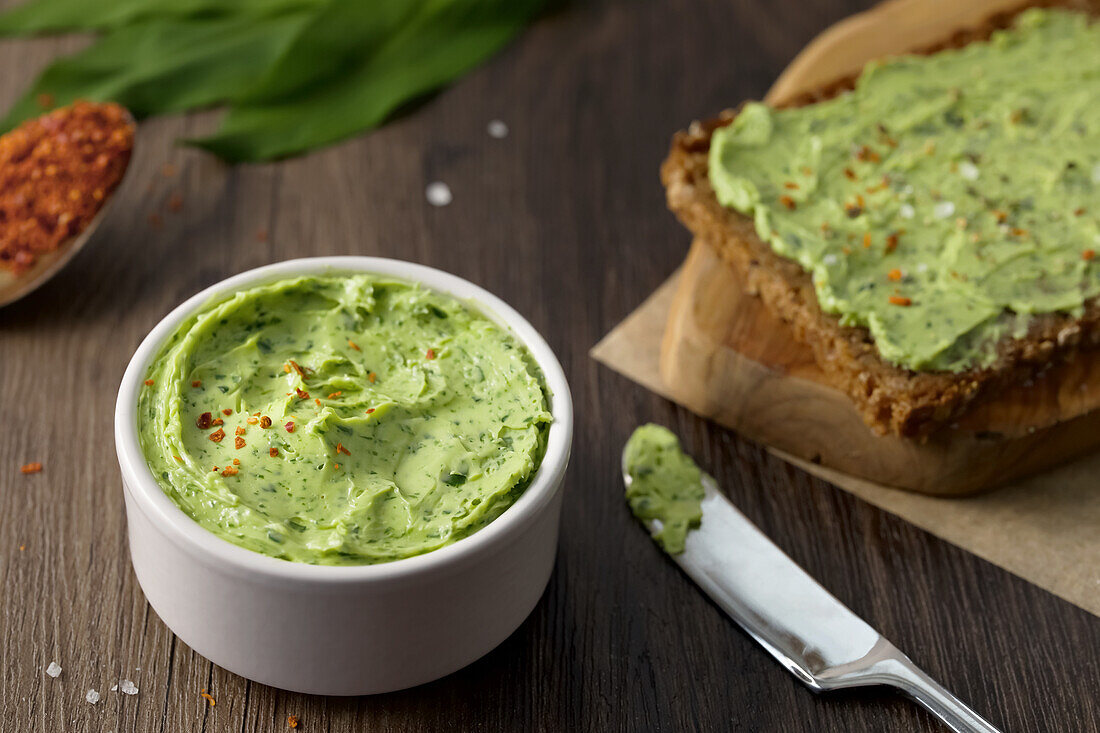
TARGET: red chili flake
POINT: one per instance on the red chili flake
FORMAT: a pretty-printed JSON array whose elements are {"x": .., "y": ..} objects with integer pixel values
[
  {"x": 849, "y": 174},
  {"x": 867, "y": 240},
  {"x": 852, "y": 210},
  {"x": 265, "y": 422},
  {"x": 317, "y": 400},
  {"x": 196, "y": 382},
  {"x": 31, "y": 467},
  {"x": 341, "y": 449},
  {"x": 430, "y": 354},
  {"x": 1001, "y": 216},
  {"x": 894, "y": 274},
  {"x": 335, "y": 394},
  {"x": 303, "y": 372},
  {"x": 217, "y": 421},
  {"x": 787, "y": 201},
  {"x": 370, "y": 410},
  {"x": 236, "y": 461},
  {"x": 227, "y": 412},
  {"x": 1079, "y": 212},
  {"x": 892, "y": 242},
  {"x": 240, "y": 430},
  {"x": 1088, "y": 255},
  {"x": 238, "y": 442},
  {"x": 900, "y": 300},
  {"x": 149, "y": 382},
  {"x": 286, "y": 368},
  {"x": 274, "y": 452},
  {"x": 336, "y": 466},
  {"x": 790, "y": 186},
  {"x": 289, "y": 427},
  {"x": 204, "y": 693},
  {"x": 178, "y": 459},
  {"x": 302, "y": 394},
  {"x": 205, "y": 421},
  {"x": 292, "y": 721},
  {"x": 252, "y": 420},
  {"x": 352, "y": 345},
  {"x": 175, "y": 202},
  {"x": 371, "y": 377},
  {"x": 1020, "y": 232},
  {"x": 217, "y": 435},
  {"x": 50, "y": 168}
]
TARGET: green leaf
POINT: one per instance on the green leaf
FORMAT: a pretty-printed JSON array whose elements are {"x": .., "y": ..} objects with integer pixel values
[
  {"x": 53, "y": 16},
  {"x": 161, "y": 66},
  {"x": 442, "y": 40}
]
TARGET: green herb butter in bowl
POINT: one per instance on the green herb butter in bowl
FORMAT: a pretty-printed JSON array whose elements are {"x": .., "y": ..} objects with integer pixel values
[{"x": 343, "y": 475}]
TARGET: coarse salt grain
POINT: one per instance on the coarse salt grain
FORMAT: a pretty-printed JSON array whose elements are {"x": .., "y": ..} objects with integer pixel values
[
  {"x": 92, "y": 696},
  {"x": 438, "y": 194},
  {"x": 906, "y": 211},
  {"x": 829, "y": 259},
  {"x": 54, "y": 669},
  {"x": 497, "y": 129},
  {"x": 943, "y": 209},
  {"x": 968, "y": 170},
  {"x": 128, "y": 687},
  {"x": 114, "y": 688}
]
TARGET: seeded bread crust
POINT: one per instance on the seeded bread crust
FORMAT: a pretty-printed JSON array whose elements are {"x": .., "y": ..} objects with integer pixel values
[{"x": 891, "y": 399}]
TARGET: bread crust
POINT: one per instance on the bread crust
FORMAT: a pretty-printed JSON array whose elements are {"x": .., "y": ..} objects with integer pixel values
[{"x": 891, "y": 399}]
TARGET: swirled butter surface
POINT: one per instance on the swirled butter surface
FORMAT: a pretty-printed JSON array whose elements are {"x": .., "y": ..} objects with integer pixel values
[{"x": 342, "y": 420}]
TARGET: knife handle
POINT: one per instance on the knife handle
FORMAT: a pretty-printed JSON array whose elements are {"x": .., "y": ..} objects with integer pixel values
[{"x": 931, "y": 695}]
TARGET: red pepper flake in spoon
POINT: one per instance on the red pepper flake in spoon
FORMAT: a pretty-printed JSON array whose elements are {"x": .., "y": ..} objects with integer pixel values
[{"x": 50, "y": 170}]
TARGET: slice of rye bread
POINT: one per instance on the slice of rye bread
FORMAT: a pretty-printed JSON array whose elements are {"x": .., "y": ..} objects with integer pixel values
[{"x": 891, "y": 399}]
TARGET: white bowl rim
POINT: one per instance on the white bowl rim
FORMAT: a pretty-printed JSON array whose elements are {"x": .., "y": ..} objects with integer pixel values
[{"x": 204, "y": 544}]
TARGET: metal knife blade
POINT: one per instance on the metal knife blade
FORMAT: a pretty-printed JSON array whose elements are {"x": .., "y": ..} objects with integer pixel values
[{"x": 810, "y": 632}]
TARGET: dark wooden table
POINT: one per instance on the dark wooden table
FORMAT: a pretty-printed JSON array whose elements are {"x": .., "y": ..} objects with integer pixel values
[{"x": 565, "y": 219}]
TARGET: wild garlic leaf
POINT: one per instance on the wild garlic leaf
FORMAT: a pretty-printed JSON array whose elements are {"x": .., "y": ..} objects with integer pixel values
[
  {"x": 162, "y": 66},
  {"x": 443, "y": 39},
  {"x": 53, "y": 16}
]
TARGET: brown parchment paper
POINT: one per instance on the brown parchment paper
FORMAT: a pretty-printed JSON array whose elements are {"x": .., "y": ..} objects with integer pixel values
[{"x": 1045, "y": 529}]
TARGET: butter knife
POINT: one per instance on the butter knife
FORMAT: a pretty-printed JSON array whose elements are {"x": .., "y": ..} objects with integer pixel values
[{"x": 815, "y": 636}]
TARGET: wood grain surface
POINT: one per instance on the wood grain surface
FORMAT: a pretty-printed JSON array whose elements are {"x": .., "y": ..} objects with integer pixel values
[{"x": 565, "y": 219}]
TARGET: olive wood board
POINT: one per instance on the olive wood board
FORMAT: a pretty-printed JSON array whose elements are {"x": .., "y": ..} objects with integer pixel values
[{"x": 724, "y": 357}]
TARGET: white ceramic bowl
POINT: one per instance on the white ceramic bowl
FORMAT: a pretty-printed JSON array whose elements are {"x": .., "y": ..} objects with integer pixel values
[{"x": 344, "y": 630}]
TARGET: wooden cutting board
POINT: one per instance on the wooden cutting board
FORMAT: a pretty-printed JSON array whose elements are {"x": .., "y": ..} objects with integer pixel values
[{"x": 729, "y": 359}]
